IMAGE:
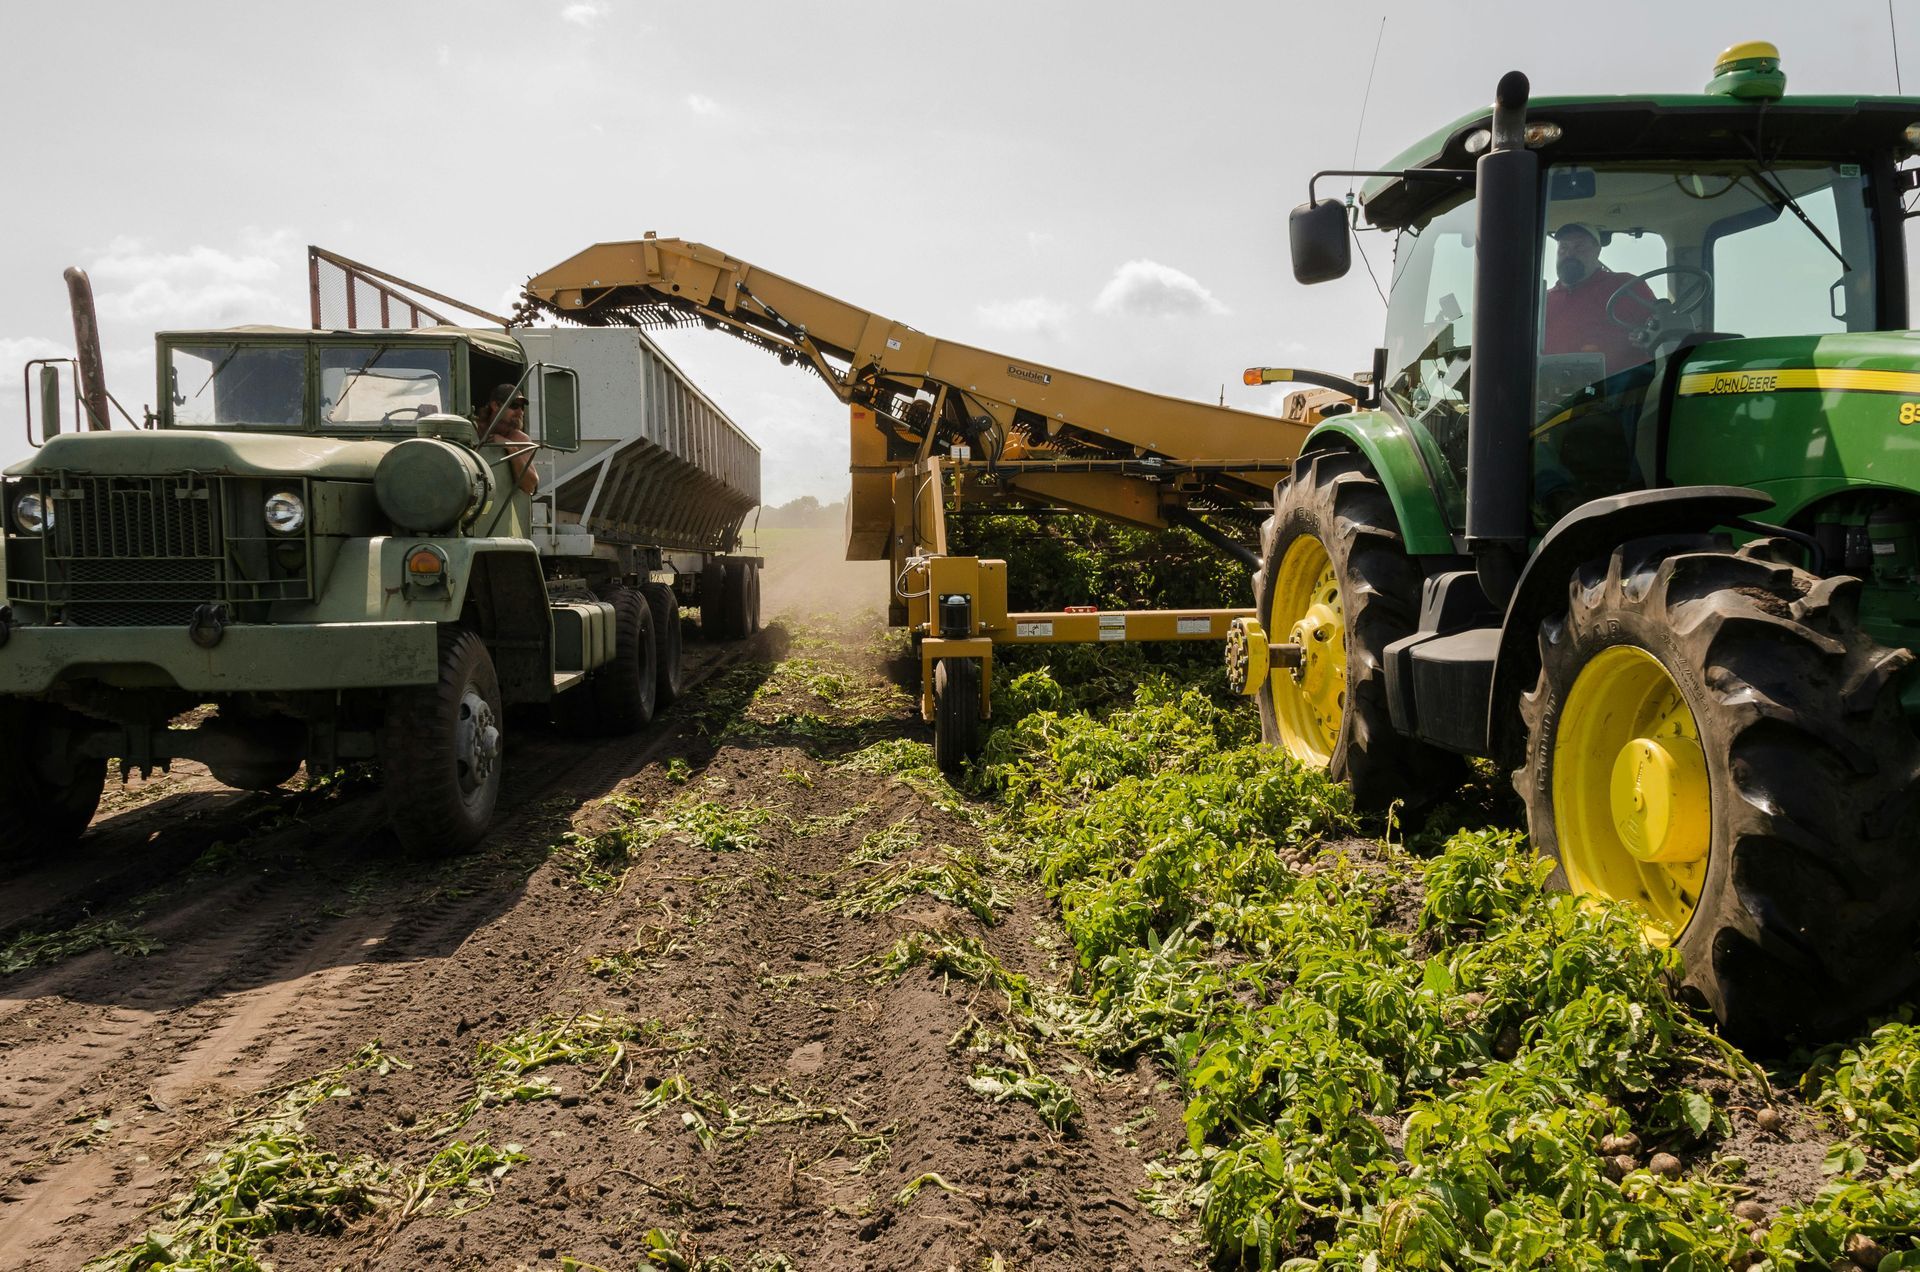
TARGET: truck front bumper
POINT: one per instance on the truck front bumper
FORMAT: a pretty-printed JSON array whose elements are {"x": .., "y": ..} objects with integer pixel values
[{"x": 264, "y": 658}]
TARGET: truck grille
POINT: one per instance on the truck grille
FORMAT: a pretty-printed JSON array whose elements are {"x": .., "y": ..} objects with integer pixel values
[{"x": 148, "y": 551}]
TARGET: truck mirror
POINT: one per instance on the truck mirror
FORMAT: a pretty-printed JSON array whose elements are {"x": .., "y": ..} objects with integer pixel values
[
  {"x": 1318, "y": 233},
  {"x": 560, "y": 409},
  {"x": 49, "y": 400}
]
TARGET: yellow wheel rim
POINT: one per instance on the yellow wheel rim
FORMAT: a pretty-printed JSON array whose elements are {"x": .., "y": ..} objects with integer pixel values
[
  {"x": 1309, "y": 700},
  {"x": 1632, "y": 807}
]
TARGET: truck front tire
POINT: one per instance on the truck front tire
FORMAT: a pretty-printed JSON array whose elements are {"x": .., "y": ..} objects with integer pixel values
[
  {"x": 441, "y": 750},
  {"x": 47, "y": 796},
  {"x": 1714, "y": 740}
]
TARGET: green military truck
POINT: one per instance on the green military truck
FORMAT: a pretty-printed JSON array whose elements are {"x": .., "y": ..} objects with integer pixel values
[
  {"x": 312, "y": 538},
  {"x": 1630, "y": 504}
]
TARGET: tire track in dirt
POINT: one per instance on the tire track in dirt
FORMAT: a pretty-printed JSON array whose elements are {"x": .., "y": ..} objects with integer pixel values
[{"x": 159, "y": 1044}]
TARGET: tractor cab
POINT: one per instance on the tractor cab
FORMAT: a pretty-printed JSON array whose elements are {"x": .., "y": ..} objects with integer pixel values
[{"x": 1662, "y": 224}]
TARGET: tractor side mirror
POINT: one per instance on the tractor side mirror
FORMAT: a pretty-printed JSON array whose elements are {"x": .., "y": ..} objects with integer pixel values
[{"x": 1317, "y": 231}]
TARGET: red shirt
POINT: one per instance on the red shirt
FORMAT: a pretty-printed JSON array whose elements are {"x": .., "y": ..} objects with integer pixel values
[{"x": 1577, "y": 319}]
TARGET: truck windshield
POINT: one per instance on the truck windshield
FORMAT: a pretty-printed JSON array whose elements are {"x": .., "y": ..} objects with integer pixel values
[
  {"x": 1637, "y": 257},
  {"x": 367, "y": 386},
  {"x": 226, "y": 384}
]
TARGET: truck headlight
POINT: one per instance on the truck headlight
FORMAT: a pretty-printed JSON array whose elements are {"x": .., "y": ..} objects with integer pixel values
[
  {"x": 286, "y": 513},
  {"x": 33, "y": 513}
]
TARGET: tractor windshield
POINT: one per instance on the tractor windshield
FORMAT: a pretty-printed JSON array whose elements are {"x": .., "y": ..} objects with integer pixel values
[
  {"x": 222, "y": 384},
  {"x": 1637, "y": 258}
]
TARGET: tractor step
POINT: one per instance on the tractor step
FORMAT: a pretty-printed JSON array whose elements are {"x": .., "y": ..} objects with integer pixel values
[{"x": 1437, "y": 687}]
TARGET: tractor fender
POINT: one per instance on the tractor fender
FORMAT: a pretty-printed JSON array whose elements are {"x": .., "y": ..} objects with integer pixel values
[
  {"x": 1391, "y": 451},
  {"x": 1581, "y": 535}
]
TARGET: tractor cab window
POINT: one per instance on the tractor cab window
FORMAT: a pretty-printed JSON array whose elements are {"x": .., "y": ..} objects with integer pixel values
[
  {"x": 1641, "y": 258},
  {"x": 223, "y": 384},
  {"x": 1429, "y": 331},
  {"x": 376, "y": 385}
]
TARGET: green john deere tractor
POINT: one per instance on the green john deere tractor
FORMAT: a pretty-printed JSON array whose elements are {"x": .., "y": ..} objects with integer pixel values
[{"x": 1630, "y": 503}]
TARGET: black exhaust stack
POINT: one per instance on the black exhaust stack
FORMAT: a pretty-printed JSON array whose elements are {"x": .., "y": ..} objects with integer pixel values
[{"x": 1500, "y": 397}]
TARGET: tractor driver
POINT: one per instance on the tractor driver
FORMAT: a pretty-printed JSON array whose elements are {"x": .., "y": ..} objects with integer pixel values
[
  {"x": 502, "y": 418},
  {"x": 1577, "y": 319}
]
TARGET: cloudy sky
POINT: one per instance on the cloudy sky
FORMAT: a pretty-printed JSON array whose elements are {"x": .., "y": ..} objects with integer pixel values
[{"x": 1099, "y": 186}]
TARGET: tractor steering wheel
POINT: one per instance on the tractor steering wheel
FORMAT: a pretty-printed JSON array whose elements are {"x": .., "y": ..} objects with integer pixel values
[{"x": 1660, "y": 313}]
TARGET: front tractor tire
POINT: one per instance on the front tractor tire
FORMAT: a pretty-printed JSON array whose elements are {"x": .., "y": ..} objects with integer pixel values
[
  {"x": 1715, "y": 741},
  {"x": 441, "y": 749},
  {"x": 1336, "y": 579},
  {"x": 47, "y": 794}
]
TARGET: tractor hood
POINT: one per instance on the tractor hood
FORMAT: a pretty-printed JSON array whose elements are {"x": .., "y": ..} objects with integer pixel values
[
  {"x": 1859, "y": 361},
  {"x": 152, "y": 451},
  {"x": 1798, "y": 417}
]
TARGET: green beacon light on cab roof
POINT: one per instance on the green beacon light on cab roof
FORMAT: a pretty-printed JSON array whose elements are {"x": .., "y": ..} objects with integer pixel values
[{"x": 1749, "y": 71}]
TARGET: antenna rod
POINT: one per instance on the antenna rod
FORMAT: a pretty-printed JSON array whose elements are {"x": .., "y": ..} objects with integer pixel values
[{"x": 1894, "y": 32}]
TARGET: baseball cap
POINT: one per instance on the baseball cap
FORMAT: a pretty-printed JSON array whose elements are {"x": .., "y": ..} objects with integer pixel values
[
  {"x": 1579, "y": 227},
  {"x": 503, "y": 395}
]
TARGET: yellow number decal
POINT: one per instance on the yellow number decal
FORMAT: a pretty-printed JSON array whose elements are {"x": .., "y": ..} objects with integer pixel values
[{"x": 1910, "y": 412}]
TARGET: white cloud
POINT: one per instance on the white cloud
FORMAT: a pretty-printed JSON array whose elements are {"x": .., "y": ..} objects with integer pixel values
[
  {"x": 444, "y": 56},
  {"x": 1148, "y": 289},
  {"x": 15, "y": 350},
  {"x": 585, "y": 13},
  {"x": 1027, "y": 314},
  {"x": 135, "y": 281},
  {"x": 1038, "y": 239},
  {"x": 700, "y": 104}
]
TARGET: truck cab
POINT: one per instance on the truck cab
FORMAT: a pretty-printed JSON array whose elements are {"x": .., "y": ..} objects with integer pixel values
[{"x": 314, "y": 537}]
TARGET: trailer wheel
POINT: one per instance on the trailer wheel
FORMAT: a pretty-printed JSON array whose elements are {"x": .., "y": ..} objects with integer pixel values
[
  {"x": 753, "y": 599},
  {"x": 1335, "y": 577},
  {"x": 624, "y": 689},
  {"x": 956, "y": 712},
  {"x": 713, "y": 599},
  {"x": 666, "y": 643},
  {"x": 739, "y": 611},
  {"x": 47, "y": 796},
  {"x": 1715, "y": 741},
  {"x": 441, "y": 750}
]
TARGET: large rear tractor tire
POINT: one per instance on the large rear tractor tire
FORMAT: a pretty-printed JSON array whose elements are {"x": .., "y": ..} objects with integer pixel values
[
  {"x": 956, "y": 712},
  {"x": 669, "y": 681},
  {"x": 624, "y": 690},
  {"x": 47, "y": 795},
  {"x": 441, "y": 750},
  {"x": 1335, "y": 578},
  {"x": 1715, "y": 741}
]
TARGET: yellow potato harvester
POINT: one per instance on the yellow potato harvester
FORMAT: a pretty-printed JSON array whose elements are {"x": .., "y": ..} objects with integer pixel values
[{"x": 935, "y": 423}]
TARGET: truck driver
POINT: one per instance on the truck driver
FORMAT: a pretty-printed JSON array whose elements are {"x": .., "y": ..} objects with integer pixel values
[{"x": 502, "y": 418}]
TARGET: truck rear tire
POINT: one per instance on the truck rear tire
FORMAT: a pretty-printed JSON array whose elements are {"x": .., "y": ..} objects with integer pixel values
[
  {"x": 46, "y": 796},
  {"x": 713, "y": 598},
  {"x": 441, "y": 750},
  {"x": 1715, "y": 740},
  {"x": 666, "y": 640},
  {"x": 1335, "y": 576},
  {"x": 740, "y": 610},
  {"x": 623, "y": 690},
  {"x": 956, "y": 712}
]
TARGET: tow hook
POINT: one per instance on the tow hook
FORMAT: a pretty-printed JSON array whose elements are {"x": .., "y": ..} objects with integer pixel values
[{"x": 209, "y": 625}]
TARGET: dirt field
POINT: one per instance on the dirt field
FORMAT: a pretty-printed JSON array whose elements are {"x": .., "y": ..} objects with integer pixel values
[{"x": 667, "y": 993}]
